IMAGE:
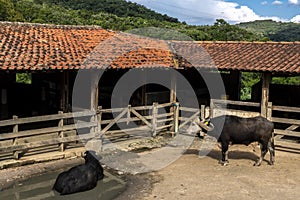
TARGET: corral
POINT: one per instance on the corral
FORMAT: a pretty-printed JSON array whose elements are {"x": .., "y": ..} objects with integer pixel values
[{"x": 42, "y": 121}]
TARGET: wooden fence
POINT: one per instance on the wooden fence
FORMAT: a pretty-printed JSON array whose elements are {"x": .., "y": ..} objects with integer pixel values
[
  {"x": 52, "y": 133},
  {"x": 22, "y": 136}
]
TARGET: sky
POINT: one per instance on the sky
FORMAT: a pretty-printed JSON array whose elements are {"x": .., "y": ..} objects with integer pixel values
[{"x": 202, "y": 12}]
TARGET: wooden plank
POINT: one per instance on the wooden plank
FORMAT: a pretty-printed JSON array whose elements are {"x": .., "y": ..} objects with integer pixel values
[
  {"x": 132, "y": 119},
  {"x": 141, "y": 118},
  {"x": 54, "y": 141},
  {"x": 164, "y": 120},
  {"x": 286, "y": 144},
  {"x": 47, "y": 130},
  {"x": 140, "y": 128},
  {"x": 190, "y": 119},
  {"x": 142, "y": 108},
  {"x": 292, "y": 128},
  {"x": 112, "y": 110},
  {"x": 286, "y": 108},
  {"x": 240, "y": 113},
  {"x": 164, "y": 115},
  {"x": 165, "y": 126},
  {"x": 43, "y": 118},
  {"x": 238, "y": 103},
  {"x": 115, "y": 120},
  {"x": 286, "y": 121},
  {"x": 287, "y": 132},
  {"x": 188, "y": 109},
  {"x": 164, "y": 105}
]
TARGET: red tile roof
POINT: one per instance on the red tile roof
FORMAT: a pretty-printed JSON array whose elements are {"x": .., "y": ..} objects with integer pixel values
[{"x": 50, "y": 47}]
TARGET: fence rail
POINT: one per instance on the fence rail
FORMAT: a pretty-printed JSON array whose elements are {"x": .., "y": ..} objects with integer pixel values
[
  {"x": 57, "y": 132},
  {"x": 64, "y": 130}
]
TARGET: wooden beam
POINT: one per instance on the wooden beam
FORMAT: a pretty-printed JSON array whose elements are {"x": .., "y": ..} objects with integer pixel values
[
  {"x": 173, "y": 89},
  {"x": 94, "y": 74},
  {"x": 65, "y": 86},
  {"x": 266, "y": 79}
]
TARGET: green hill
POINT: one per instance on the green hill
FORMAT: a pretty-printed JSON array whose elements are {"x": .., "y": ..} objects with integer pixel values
[
  {"x": 118, "y": 15},
  {"x": 276, "y": 31}
]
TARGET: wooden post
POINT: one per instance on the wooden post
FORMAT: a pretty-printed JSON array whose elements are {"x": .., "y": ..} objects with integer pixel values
[
  {"x": 61, "y": 133},
  {"x": 154, "y": 119},
  {"x": 266, "y": 79},
  {"x": 269, "y": 112},
  {"x": 176, "y": 118},
  {"x": 211, "y": 113},
  {"x": 94, "y": 89},
  {"x": 16, "y": 154},
  {"x": 99, "y": 135},
  {"x": 128, "y": 114},
  {"x": 202, "y": 112},
  {"x": 173, "y": 98},
  {"x": 99, "y": 119},
  {"x": 173, "y": 94},
  {"x": 269, "y": 117},
  {"x": 65, "y": 92}
]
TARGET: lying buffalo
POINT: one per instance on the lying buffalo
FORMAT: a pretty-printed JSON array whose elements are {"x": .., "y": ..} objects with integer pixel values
[
  {"x": 80, "y": 178},
  {"x": 229, "y": 129}
]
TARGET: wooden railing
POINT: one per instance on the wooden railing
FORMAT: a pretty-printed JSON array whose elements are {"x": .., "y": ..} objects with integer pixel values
[
  {"x": 57, "y": 132},
  {"x": 60, "y": 131}
]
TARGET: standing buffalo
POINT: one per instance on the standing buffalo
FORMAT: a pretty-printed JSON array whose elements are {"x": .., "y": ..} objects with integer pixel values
[
  {"x": 80, "y": 178},
  {"x": 229, "y": 129}
]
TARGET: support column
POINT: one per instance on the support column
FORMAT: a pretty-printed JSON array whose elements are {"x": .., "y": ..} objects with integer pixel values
[
  {"x": 94, "y": 74},
  {"x": 65, "y": 91},
  {"x": 173, "y": 89},
  {"x": 266, "y": 80}
]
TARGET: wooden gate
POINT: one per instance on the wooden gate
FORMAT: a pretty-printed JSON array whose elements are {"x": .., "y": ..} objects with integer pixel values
[{"x": 61, "y": 132}]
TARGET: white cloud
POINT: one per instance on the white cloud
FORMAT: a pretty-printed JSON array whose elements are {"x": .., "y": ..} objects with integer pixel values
[
  {"x": 205, "y": 11},
  {"x": 277, "y": 3},
  {"x": 296, "y": 19},
  {"x": 294, "y": 2},
  {"x": 264, "y": 3}
]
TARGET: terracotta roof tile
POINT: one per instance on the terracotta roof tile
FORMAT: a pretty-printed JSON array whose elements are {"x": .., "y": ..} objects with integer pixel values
[{"x": 55, "y": 47}]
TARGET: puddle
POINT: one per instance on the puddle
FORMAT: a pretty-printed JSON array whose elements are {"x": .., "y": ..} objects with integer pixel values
[{"x": 40, "y": 187}]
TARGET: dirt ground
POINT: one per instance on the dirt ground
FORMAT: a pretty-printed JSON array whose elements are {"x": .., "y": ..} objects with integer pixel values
[{"x": 192, "y": 177}]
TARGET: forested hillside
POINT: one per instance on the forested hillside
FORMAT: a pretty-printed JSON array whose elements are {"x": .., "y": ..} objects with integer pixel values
[
  {"x": 116, "y": 15},
  {"x": 276, "y": 31}
]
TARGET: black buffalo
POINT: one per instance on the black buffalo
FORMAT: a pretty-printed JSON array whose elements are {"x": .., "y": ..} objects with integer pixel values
[
  {"x": 229, "y": 129},
  {"x": 80, "y": 178}
]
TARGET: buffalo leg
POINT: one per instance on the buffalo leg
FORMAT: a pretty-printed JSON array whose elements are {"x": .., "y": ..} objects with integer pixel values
[
  {"x": 224, "y": 160},
  {"x": 264, "y": 150},
  {"x": 271, "y": 148}
]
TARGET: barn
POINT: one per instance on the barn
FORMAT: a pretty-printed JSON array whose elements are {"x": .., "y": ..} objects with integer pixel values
[{"x": 40, "y": 64}]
